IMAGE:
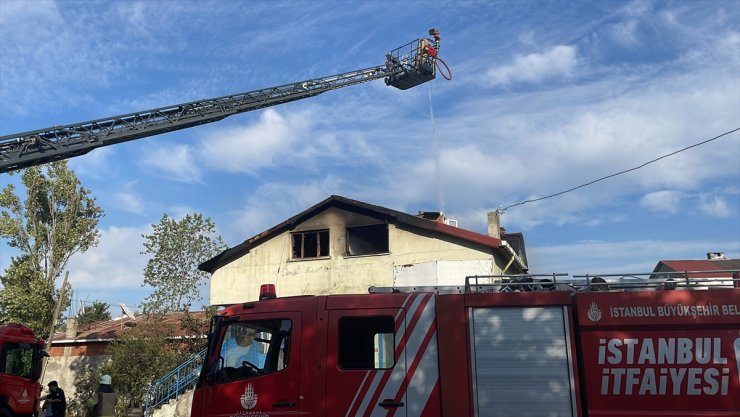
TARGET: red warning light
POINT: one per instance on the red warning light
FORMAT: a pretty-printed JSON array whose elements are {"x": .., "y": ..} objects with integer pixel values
[{"x": 267, "y": 292}]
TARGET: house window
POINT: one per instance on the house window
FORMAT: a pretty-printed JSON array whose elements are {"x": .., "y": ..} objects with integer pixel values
[
  {"x": 314, "y": 244},
  {"x": 367, "y": 240},
  {"x": 366, "y": 342}
]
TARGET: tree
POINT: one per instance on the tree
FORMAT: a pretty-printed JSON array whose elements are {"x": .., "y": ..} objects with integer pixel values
[
  {"x": 28, "y": 298},
  {"x": 57, "y": 219},
  {"x": 195, "y": 329},
  {"x": 144, "y": 352},
  {"x": 98, "y": 311},
  {"x": 177, "y": 247}
]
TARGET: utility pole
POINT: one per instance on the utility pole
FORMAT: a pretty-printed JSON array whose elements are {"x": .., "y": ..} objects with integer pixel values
[{"x": 57, "y": 310}]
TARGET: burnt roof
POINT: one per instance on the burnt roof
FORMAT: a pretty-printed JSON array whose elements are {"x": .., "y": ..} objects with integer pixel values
[{"x": 336, "y": 201}]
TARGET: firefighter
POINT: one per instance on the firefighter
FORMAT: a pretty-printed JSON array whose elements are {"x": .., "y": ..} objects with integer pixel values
[
  {"x": 56, "y": 400},
  {"x": 241, "y": 348},
  {"x": 103, "y": 401}
]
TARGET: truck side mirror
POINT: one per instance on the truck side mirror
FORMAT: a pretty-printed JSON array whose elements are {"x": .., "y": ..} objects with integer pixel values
[{"x": 36, "y": 367}]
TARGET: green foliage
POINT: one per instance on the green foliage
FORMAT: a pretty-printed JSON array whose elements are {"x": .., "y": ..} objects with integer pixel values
[
  {"x": 177, "y": 248},
  {"x": 28, "y": 298},
  {"x": 98, "y": 311},
  {"x": 85, "y": 385},
  {"x": 194, "y": 329},
  {"x": 57, "y": 219},
  {"x": 144, "y": 353}
]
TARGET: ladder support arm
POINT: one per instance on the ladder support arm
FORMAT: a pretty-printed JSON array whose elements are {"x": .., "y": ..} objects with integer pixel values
[
  {"x": 405, "y": 67},
  {"x": 59, "y": 142}
]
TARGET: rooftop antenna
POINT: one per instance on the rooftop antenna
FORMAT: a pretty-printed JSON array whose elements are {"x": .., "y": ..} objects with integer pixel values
[
  {"x": 82, "y": 304},
  {"x": 127, "y": 311}
]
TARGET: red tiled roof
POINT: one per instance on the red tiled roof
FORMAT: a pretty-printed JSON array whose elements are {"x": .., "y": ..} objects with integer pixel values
[
  {"x": 113, "y": 329},
  {"x": 697, "y": 266}
]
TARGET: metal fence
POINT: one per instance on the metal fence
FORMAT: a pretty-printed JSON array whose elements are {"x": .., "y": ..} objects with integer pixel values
[{"x": 174, "y": 383}]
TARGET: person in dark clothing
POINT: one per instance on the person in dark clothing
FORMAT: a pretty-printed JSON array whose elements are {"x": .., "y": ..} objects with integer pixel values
[
  {"x": 56, "y": 399},
  {"x": 103, "y": 402}
]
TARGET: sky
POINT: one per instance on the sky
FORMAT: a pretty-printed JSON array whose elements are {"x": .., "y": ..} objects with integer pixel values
[{"x": 544, "y": 97}]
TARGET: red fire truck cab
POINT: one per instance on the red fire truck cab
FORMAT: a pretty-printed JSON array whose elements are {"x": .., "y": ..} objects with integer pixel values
[
  {"x": 416, "y": 353},
  {"x": 21, "y": 355}
]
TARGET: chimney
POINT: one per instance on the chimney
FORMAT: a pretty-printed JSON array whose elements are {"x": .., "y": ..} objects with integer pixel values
[
  {"x": 713, "y": 256},
  {"x": 435, "y": 216},
  {"x": 494, "y": 224},
  {"x": 71, "y": 332}
]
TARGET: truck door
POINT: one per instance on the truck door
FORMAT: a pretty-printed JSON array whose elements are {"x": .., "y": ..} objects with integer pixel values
[
  {"x": 366, "y": 363},
  {"x": 16, "y": 372},
  {"x": 257, "y": 372}
]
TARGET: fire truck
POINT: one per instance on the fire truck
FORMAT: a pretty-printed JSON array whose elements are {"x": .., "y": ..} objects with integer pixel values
[
  {"x": 556, "y": 349},
  {"x": 21, "y": 355}
]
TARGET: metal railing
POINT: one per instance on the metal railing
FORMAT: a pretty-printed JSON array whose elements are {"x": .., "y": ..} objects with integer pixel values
[
  {"x": 174, "y": 383},
  {"x": 682, "y": 280}
]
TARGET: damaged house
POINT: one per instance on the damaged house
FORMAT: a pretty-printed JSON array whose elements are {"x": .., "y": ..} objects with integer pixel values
[{"x": 344, "y": 246}]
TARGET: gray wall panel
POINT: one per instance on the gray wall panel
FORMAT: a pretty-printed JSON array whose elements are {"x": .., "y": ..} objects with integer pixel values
[{"x": 521, "y": 359}]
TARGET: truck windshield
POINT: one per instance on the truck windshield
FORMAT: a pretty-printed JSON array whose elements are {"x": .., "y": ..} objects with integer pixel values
[
  {"x": 18, "y": 360},
  {"x": 252, "y": 348}
]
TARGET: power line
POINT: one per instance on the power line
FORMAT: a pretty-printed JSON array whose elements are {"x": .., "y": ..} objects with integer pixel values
[{"x": 618, "y": 173}]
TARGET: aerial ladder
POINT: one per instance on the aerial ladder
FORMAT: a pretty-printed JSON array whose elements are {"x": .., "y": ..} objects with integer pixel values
[{"x": 405, "y": 67}]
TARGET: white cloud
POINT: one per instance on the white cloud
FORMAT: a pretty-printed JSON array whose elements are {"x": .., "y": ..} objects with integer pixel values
[
  {"x": 95, "y": 164},
  {"x": 129, "y": 201},
  {"x": 178, "y": 212},
  {"x": 520, "y": 146},
  {"x": 668, "y": 201},
  {"x": 261, "y": 145},
  {"x": 116, "y": 263},
  {"x": 560, "y": 61},
  {"x": 176, "y": 162},
  {"x": 273, "y": 203},
  {"x": 626, "y": 33},
  {"x": 715, "y": 206}
]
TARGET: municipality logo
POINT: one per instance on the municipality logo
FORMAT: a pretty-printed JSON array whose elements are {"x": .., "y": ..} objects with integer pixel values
[
  {"x": 593, "y": 313},
  {"x": 24, "y": 397},
  {"x": 249, "y": 398}
]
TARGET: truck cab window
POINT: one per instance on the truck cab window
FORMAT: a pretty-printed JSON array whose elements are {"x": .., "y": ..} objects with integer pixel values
[
  {"x": 18, "y": 360},
  {"x": 253, "y": 348},
  {"x": 366, "y": 342}
]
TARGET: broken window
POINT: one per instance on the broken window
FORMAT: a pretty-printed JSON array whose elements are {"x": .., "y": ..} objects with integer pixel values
[
  {"x": 314, "y": 244},
  {"x": 367, "y": 240}
]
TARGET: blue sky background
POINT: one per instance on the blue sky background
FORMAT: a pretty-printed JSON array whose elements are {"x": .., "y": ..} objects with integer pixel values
[{"x": 545, "y": 96}]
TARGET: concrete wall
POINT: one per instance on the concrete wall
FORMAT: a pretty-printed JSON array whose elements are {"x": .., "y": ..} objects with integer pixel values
[
  {"x": 65, "y": 366},
  {"x": 270, "y": 262}
]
